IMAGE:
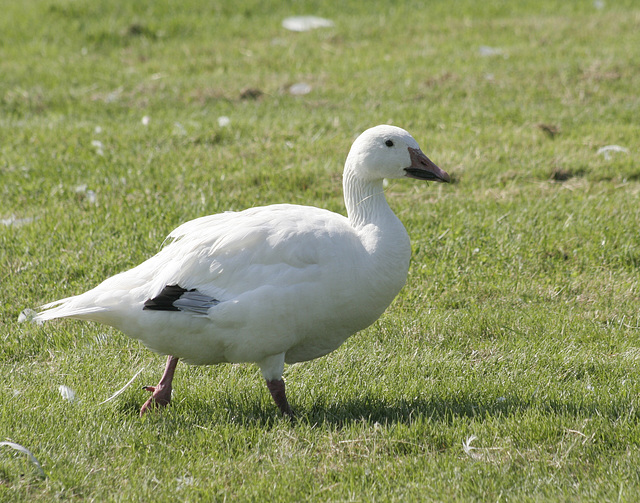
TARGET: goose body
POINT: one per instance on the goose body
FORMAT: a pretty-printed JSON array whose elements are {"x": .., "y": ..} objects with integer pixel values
[{"x": 271, "y": 284}]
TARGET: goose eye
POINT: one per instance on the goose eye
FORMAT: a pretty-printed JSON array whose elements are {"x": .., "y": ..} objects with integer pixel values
[{"x": 388, "y": 143}]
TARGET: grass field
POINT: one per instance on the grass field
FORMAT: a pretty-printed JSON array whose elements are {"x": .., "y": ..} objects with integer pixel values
[{"x": 508, "y": 369}]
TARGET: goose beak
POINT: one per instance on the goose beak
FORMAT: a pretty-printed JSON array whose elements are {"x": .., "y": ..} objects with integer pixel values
[{"x": 422, "y": 168}]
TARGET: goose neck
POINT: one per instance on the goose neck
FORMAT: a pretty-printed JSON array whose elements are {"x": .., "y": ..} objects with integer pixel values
[{"x": 364, "y": 199}]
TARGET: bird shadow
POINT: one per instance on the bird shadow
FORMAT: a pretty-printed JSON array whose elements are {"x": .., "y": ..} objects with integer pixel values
[{"x": 373, "y": 409}]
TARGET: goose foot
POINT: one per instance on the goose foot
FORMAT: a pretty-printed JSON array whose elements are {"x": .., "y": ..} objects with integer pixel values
[
  {"x": 276, "y": 387},
  {"x": 161, "y": 394}
]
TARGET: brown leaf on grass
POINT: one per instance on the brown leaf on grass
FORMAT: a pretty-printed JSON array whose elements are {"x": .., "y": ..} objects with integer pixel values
[
  {"x": 561, "y": 175},
  {"x": 550, "y": 130},
  {"x": 250, "y": 93}
]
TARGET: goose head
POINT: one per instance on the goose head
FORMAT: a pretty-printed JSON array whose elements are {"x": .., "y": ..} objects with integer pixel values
[{"x": 391, "y": 152}]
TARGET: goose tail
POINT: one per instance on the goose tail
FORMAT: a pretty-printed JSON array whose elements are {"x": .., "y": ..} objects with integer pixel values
[{"x": 71, "y": 307}]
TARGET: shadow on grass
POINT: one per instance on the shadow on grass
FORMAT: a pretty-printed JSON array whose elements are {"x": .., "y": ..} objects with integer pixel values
[
  {"x": 375, "y": 409},
  {"x": 449, "y": 411}
]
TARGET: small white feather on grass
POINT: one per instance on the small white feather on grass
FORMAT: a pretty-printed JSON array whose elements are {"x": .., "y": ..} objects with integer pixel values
[
  {"x": 306, "y": 23},
  {"x": 26, "y": 451},
  {"x": 479, "y": 453},
  {"x": 607, "y": 149},
  {"x": 184, "y": 481},
  {"x": 67, "y": 393},
  {"x": 300, "y": 89},
  {"x": 121, "y": 390},
  {"x": 468, "y": 448},
  {"x": 99, "y": 146},
  {"x": 14, "y": 221},
  {"x": 485, "y": 50}
]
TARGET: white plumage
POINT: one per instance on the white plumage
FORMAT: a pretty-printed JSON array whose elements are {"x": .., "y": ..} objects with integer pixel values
[{"x": 271, "y": 284}]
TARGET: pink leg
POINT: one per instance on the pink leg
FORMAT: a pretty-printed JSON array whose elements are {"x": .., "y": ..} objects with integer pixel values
[
  {"x": 162, "y": 392},
  {"x": 276, "y": 388}
]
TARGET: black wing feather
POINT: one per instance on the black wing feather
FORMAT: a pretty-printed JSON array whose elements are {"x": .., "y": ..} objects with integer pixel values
[
  {"x": 176, "y": 298},
  {"x": 164, "y": 301}
]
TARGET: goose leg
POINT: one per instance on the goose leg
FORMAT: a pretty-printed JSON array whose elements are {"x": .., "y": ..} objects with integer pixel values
[
  {"x": 272, "y": 368},
  {"x": 162, "y": 392},
  {"x": 276, "y": 387}
]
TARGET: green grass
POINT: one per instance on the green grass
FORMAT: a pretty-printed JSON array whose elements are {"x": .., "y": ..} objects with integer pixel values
[{"x": 519, "y": 324}]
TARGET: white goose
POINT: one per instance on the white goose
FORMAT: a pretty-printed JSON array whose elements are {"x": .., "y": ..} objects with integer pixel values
[{"x": 271, "y": 284}]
